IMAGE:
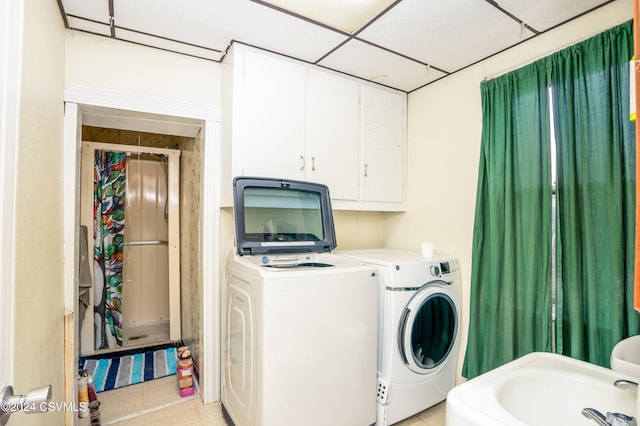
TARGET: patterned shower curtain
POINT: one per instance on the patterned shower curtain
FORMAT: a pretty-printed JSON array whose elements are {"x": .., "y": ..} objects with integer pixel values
[{"x": 108, "y": 218}]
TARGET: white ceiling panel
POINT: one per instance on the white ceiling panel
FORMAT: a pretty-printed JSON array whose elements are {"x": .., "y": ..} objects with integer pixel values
[
  {"x": 365, "y": 61},
  {"x": 393, "y": 49},
  {"x": 544, "y": 14},
  {"x": 187, "y": 21},
  {"x": 345, "y": 15},
  {"x": 169, "y": 45},
  {"x": 97, "y": 10},
  {"x": 214, "y": 24},
  {"x": 446, "y": 34},
  {"x": 257, "y": 25},
  {"x": 89, "y": 26}
]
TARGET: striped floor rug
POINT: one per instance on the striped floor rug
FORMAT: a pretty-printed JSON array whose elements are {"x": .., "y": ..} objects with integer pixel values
[{"x": 117, "y": 372}]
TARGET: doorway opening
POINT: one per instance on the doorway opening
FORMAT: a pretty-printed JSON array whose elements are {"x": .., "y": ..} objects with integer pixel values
[
  {"x": 143, "y": 307},
  {"x": 122, "y": 112}
]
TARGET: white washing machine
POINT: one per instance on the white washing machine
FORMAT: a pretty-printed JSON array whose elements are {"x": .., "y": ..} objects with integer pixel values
[
  {"x": 299, "y": 344},
  {"x": 419, "y": 330},
  {"x": 299, "y": 323}
]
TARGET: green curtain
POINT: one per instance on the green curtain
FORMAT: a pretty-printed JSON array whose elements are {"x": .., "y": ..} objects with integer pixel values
[
  {"x": 595, "y": 195},
  {"x": 511, "y": 267}
]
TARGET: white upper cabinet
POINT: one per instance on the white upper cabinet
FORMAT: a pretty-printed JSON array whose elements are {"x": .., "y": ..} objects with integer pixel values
[
  {"x": 333, "y": 118},
  {"x": 286, "y": 119},
  {"x": 273, "y": 117},
  {"x": 383, "y": 145}
]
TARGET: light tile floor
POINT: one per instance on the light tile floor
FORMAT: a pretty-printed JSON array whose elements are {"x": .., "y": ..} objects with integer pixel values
[{"x": 158, "y": 402}]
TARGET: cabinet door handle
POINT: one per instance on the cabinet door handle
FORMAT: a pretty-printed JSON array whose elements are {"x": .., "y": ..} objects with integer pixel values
[
  {"x": 302, "y": 165},
  {"x": 313, "y": 164},
  {"x": 365, "y": 169}
]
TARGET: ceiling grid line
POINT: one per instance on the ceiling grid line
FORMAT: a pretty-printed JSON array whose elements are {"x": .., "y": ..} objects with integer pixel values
[
  {"x": 298, "y": 16},
  {"x": 403, "y": 56},
  {"x": 355, "y": 34},
  {"x": 112, "y": 19},
  {"x": 65, "y": 20},
  {"x": 512, "y": 16},
  {"x": 168, "y": 39},
  {"x": 403, "y": 44}
]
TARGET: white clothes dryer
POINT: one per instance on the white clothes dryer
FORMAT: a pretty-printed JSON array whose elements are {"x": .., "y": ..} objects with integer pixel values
[
  {"x": 419, "y": 330},
  {"x": 299, "y": 342}
]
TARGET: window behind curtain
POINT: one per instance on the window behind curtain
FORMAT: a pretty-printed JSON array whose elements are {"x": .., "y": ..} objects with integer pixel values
[{"x": 511, "y": 293}]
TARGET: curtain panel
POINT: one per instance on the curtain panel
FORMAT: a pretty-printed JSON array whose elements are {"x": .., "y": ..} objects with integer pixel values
[
  {"x": 511, "y": 291},
  {"x": 510, "y": 280},
  {"x": 109, "y": 201},
  {"x": 595, "y": 145}
]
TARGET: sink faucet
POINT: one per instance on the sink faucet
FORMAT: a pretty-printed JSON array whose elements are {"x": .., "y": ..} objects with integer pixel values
[
  {"x": 626, "y": 384},
  {"x": 612, "y": 419}
]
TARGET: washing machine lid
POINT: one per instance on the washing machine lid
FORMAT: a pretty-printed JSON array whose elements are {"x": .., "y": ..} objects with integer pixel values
[{"x": 274, "y": 216}]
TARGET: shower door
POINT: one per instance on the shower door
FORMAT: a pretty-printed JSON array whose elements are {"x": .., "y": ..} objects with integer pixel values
[{"x": 146, "y": 251}]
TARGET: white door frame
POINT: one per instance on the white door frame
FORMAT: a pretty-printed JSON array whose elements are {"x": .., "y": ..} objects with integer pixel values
[
  {"x": 11, "y": 30},
  {"x": 147, "y": 113}
]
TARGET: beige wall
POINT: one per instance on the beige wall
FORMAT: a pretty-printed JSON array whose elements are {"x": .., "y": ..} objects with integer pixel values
[
  {"x": 358, "y": 230},
  {"x": 111, "y": 64},
  {"x": 39, "y": 305},
  {"x": 445, "y": 122},
  {"x": 190, "y": 247}
]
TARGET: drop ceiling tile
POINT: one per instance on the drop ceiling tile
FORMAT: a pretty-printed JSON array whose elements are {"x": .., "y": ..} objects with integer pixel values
[
  {"x": 170, "y": 45},
  {"x": 279, "y": 32},
  {"x": 544, "y": 14},
  {"x": 214, "y": 23},
  {"x": 97, "y": 10},
  {"x": 446, "y": 34},
  {"x": 187, "y": 21},
  {"x": 345, "y": 15},
  {"x": 89, "y": 26},
  {"x": 365, "y": 61}
]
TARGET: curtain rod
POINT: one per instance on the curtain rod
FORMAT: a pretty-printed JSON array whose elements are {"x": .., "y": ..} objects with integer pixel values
[{"x": 538, "y": 57}]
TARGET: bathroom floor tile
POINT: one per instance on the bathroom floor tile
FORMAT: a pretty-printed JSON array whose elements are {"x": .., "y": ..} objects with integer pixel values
[
  {"x": 125, "y": 407},
  {"x": 160, "y": 392},
  {"x": 184, "y": 413},
  {"x": 134, "y": 421},
  {"x": 120, "y": 402},
  {"x": 210, "y": 414},
  {"x": 433, "y": 416}
]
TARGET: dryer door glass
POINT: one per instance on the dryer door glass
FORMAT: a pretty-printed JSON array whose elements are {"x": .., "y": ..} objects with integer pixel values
[{"x": 429, "y": 332}]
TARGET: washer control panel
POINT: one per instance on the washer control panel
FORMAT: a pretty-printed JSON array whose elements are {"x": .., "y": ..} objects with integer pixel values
[{"x": 443, "y": 268}]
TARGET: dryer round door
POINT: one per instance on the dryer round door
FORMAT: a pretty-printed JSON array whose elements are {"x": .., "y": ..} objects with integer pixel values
[{"x": 428, "y": 328}]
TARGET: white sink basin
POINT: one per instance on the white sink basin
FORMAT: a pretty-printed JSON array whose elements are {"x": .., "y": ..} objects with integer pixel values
[
  {"x": 539, "y": 389},
  {"x": 625, "y": 357}
]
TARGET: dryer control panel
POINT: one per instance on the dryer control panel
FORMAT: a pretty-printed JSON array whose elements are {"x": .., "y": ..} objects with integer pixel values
[{"x": 443, "y": 268}]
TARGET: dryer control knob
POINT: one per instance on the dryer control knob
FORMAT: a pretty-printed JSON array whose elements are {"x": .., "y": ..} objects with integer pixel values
[{"x": 435, "y": 270}]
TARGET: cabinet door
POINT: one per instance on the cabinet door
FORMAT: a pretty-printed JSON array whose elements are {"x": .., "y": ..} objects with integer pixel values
[
  {"x": 332, "y": 133},
  {"x": 383, "y": 145},
  {"x": 273, "y": 117}
]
